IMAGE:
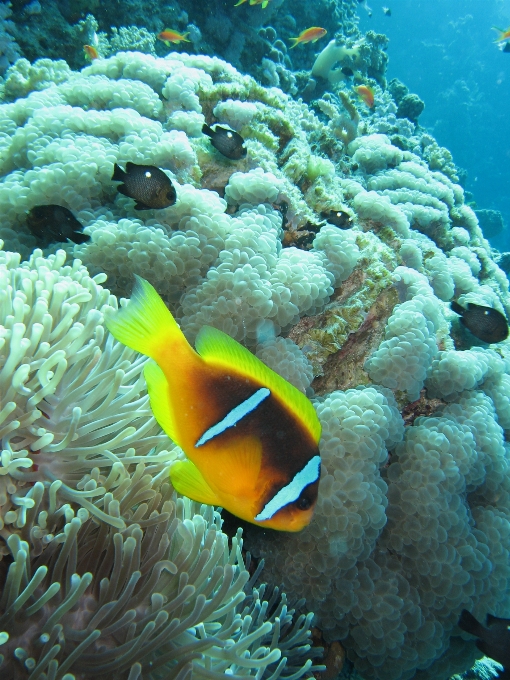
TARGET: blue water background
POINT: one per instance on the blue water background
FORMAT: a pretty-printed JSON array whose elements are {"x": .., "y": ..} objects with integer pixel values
[{"x": 444, "y": 51}]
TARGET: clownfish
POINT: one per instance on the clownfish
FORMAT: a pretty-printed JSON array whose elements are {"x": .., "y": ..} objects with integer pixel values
[
  {"x": 250, "y": 437},
  {"x": 367, "y": 94},
  {"x": 309, "y": 35}
]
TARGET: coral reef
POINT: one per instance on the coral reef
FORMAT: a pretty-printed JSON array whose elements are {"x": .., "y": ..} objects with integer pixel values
[
  {"x": 9, "y": 50},
  {"x": 332, "y": 249}
]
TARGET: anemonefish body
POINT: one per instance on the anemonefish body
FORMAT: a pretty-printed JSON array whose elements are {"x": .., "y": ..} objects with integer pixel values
[
  {"x": 367, "y": 94},
  {"x": 251, "y": 438},
  {"x": 171, "y": 37},
  {"x": 309, "y": 35}
]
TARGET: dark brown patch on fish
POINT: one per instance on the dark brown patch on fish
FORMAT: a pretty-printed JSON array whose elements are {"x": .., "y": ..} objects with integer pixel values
[
  {"x": 146, "y": 184},
  {"x": 228, "y": 142},
  {"x": 51, "y": 223},
  {"x": 485, "y": 323}
]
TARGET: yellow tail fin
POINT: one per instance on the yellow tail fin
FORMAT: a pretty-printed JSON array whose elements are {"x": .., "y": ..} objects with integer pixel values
[{"x": 144, "y": 322}]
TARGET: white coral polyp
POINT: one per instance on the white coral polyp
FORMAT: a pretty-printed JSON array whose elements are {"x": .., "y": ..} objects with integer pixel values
[{"x": 252, "y": 187}]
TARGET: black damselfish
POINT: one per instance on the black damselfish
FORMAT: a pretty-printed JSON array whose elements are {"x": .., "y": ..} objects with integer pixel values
[
  {"x": 146, "y": 184},
  {"x": 486, "y": 323},
  {"x": 228, "y": 142},
  {"x": 51, "y": 223},
  {"x": 493, "y": 641},
  {"x": 339, "y": 218}
]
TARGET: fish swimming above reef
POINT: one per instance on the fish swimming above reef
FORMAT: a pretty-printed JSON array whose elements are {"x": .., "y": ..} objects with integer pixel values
[
  {"x": 367, "y": 94},
  {"x": 251, "y": 438},
  {"x": 91, "y": 52},
  {"x": 387, "y": 11},
  {"x": 309, "y": 35},
  {"x": 493, "y": 641},
  {"x": 485, "y": 323},
  {"x": 171, "y": 37},
  {"x": 503, "y": 35},
  {"x": 146, "y": 184},
  {"x": 52, "y": 223},
  {"x": 228, "y": 142}
]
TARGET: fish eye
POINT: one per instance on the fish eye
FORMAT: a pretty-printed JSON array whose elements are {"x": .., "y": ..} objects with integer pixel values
[{"x": 303, "y": 503}]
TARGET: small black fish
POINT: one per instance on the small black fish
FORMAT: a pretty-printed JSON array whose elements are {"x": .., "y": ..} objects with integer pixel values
[
  {"x": 493, "y": 641},
  {"x": 147, "y": 185},
  {"x": 387, "y": 11},
  {"x": 486, "y": 323},
  {"x": 347, "y": 71},
  {"x": 51, "y": 223},
  {"x": 227, "y": 142},
  {"x": 337, "y": 217}
]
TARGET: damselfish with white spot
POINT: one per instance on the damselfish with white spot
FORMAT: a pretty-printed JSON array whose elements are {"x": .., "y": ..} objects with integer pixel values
[{"x": 251, "y": 438}]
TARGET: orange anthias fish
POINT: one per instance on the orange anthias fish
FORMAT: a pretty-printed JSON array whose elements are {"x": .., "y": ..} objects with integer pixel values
[
  {"x": 309, "y": 35},
  {"x": 169, "y": 37},
  {"x": 251, "y": 438},
  {"x": 366, "y": 93},
  {"x": 264, "y": 3},
  {"x": 91, "y": 52},
  {"x": 502, "y": 35}
]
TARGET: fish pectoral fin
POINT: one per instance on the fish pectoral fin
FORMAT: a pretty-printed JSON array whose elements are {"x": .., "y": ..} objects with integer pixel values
[
  {"x": 187, "y": 479},
  {"x": 122, "y": 189},
  {"x": 158, "y": 388},
  {"x": 237, "y": 467}
]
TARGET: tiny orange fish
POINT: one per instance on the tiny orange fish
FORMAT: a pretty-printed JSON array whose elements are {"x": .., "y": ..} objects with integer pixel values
[
  {"x": 168, "y": 36},
  {"x": 91, "y": 52},
  {"x": 367, "y": 94},
  {"x": 503, "y": 35},
  {"x": 309, "y": 35}
]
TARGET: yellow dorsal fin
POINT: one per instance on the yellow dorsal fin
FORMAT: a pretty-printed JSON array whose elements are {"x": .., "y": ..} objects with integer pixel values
[
  {"x": 157, "y": 386},
  {"x": 145, "y": 323},
  {"x": 188, "y": 481},
  {"x": 216, "y": 347}
]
